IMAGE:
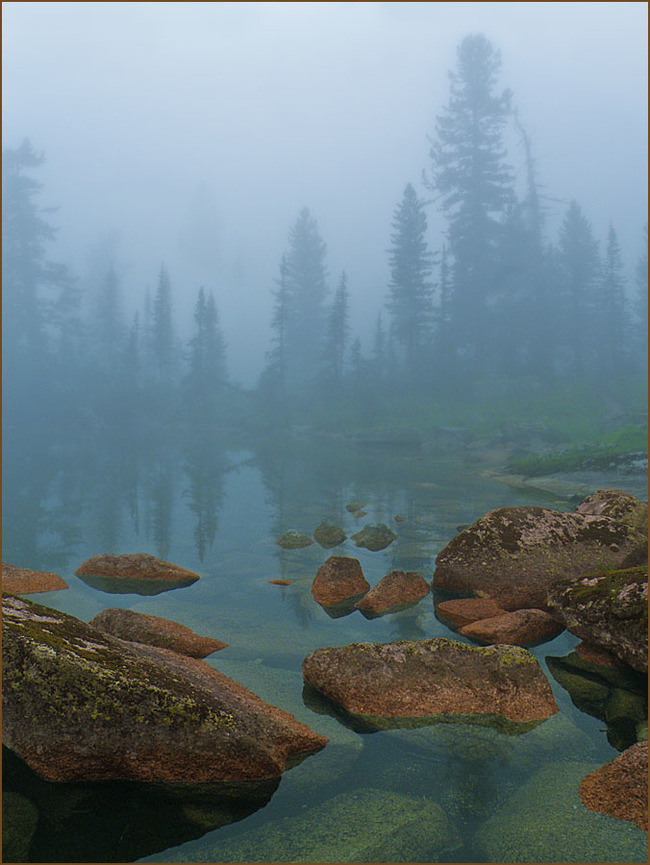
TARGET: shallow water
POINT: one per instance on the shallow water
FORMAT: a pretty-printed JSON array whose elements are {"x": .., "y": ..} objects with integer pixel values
[{"x": 448, "y": 792}]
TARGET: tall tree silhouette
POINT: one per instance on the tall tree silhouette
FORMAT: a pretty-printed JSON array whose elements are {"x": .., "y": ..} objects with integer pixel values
[
  {"x": 410, "y": 289},
  {"x": 473, "y": 186},
  {"x": 337, "y": 334}
]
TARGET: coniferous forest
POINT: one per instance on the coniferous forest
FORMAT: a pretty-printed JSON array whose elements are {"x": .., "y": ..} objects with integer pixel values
[{"x": 493, "y": 304}]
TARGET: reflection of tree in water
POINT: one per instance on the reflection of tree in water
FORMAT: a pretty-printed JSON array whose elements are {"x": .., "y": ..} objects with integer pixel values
[
  {"x": 204, "y": 466},
  {"x": 160, "y": 492}
]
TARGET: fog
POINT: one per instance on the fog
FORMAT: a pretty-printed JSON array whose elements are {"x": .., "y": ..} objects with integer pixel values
[{"x": 192, "y": 134}]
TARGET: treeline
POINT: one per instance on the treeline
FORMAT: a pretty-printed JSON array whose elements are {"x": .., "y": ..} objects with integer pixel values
[{"x": 494, "y": 297}]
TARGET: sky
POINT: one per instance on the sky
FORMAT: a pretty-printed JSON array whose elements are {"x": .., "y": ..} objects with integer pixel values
[{"x": 192, "y": 134}]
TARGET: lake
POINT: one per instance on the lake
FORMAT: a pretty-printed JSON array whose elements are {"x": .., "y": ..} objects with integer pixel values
[{"x": 448, "y": 792}]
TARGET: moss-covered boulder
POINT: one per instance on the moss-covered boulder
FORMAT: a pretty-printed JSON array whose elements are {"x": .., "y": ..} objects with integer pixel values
[
  {"x": 386, "y": 684},
  {"x": 368, "y": 825},
  {"x": 607, "y": 609},
  {"x": 329, "y": 535},
  {"x": 514, "y": 555},
  {"x": 100, "y": 708},
  {"x": 154, "y": 631},
  {"x": 374, "y": 537},
  {"x": 294, "y": 540}
]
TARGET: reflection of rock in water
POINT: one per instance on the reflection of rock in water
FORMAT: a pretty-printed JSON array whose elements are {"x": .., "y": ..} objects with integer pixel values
[
  {"x": 128, "y": 586},
  {"x": 616, "y": 695},
  {"x": 115, "y": 821}
]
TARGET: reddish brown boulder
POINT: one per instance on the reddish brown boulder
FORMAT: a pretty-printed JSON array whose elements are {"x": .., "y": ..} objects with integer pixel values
[
  {"x": 514, "y": 555},
  {"x": 101, "y": 708},
  {"x": 464, "y": 611},
  {"x": 620, "y": 788},
  {"x": 23, "y": 581},
  {"x": 338, "y": 579},
  {"x": 384, "y": 682},
  {"x": 520, "y": 628},
  {"x": 153, "y": 631},
  {"x": 394, "y": 590}
]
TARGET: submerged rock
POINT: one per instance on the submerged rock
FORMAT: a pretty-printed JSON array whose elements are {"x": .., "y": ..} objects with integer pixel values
[
  {"x": 397, "y": 589},
  {"x": 19, "y": 820},
  {"x": 138, "y": 573},
  {"x": 385, "y": 682},
  {"x": 339, "y": 579},
  {"x": 154, "y": 631},
  {"x": 294, "y": 540},
  {"x": 620, "y": 788},
  {"x": 101, "y": 708},
  {"x": 23, "y": 581},
  {"x": 367, "y": 825},
  {"x": 328, "y": 535},
  {"x": 355, "y": 506},
  {"x": 519, "y": 628},
  {"x": 374, "y": 536},
  {"x": 545, "y": 821},
  {"x": 609, "y": 610},
  {"x": 514, "y": 555}
]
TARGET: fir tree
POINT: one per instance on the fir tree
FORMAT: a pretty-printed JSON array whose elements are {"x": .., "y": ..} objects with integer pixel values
[
  {"x": 473, "y": 186},
  {"x": 613, "y": 330},
  {"x": 410, "y": 289},
  {"x": 337, "y": 334},
  {"x": 641, "y": 303}
]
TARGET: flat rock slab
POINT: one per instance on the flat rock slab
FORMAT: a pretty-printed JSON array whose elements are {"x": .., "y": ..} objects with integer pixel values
[
  {"x": 23, "y": 581},
  {"x": 519, "y": 628},
  {"x": 514, "y": 555},
  {"x": 385, "y": 682},
  {"x": 339, "y": 579},
  {"x": 136, "y": 567},
  {"x": 100, "y": 708},
  {"x": 620, "y": 788},
  {"x": 609, "y": 610},
  {"x": 395, "y": 590},
  {"x": 464, "y": 611},
  {"x": 154, "y": 631}
]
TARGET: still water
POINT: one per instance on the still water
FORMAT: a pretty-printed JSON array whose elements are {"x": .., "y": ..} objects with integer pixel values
[{"x": 443, "y": 793}]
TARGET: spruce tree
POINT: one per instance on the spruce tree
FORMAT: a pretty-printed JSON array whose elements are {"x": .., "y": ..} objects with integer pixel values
[
  {"x": 206, "y": 356},
  {"x": 305, "y": 282},
  {"x": 410, "y": 289},
  {"x": 337, "y": 334},
  {"x": 162, "y": 334},
  {"x": 473, "y": 185},
  {"x": 641, "y": 304},
  {"x": 579, "y": 264},
  {"x": 614, "y": 329}
]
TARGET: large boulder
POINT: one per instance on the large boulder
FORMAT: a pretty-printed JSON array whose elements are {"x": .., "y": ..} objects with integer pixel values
[
  {"x": 396, "y": 590},
  {"x": 339, "y": 579},
  {"x": 385, "y": 682},
  {"x": 620, "y": 788},
  {"x": 514, "y": 555},
  {"x": 100, "y": 708},
  {"x": 519, "y": 628},
  {"x": 24, "y": 581},
  {"x": 138, "y": 573},
  {"x": 609, "y": 610},
  {"x": 154, "y": 631}
]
